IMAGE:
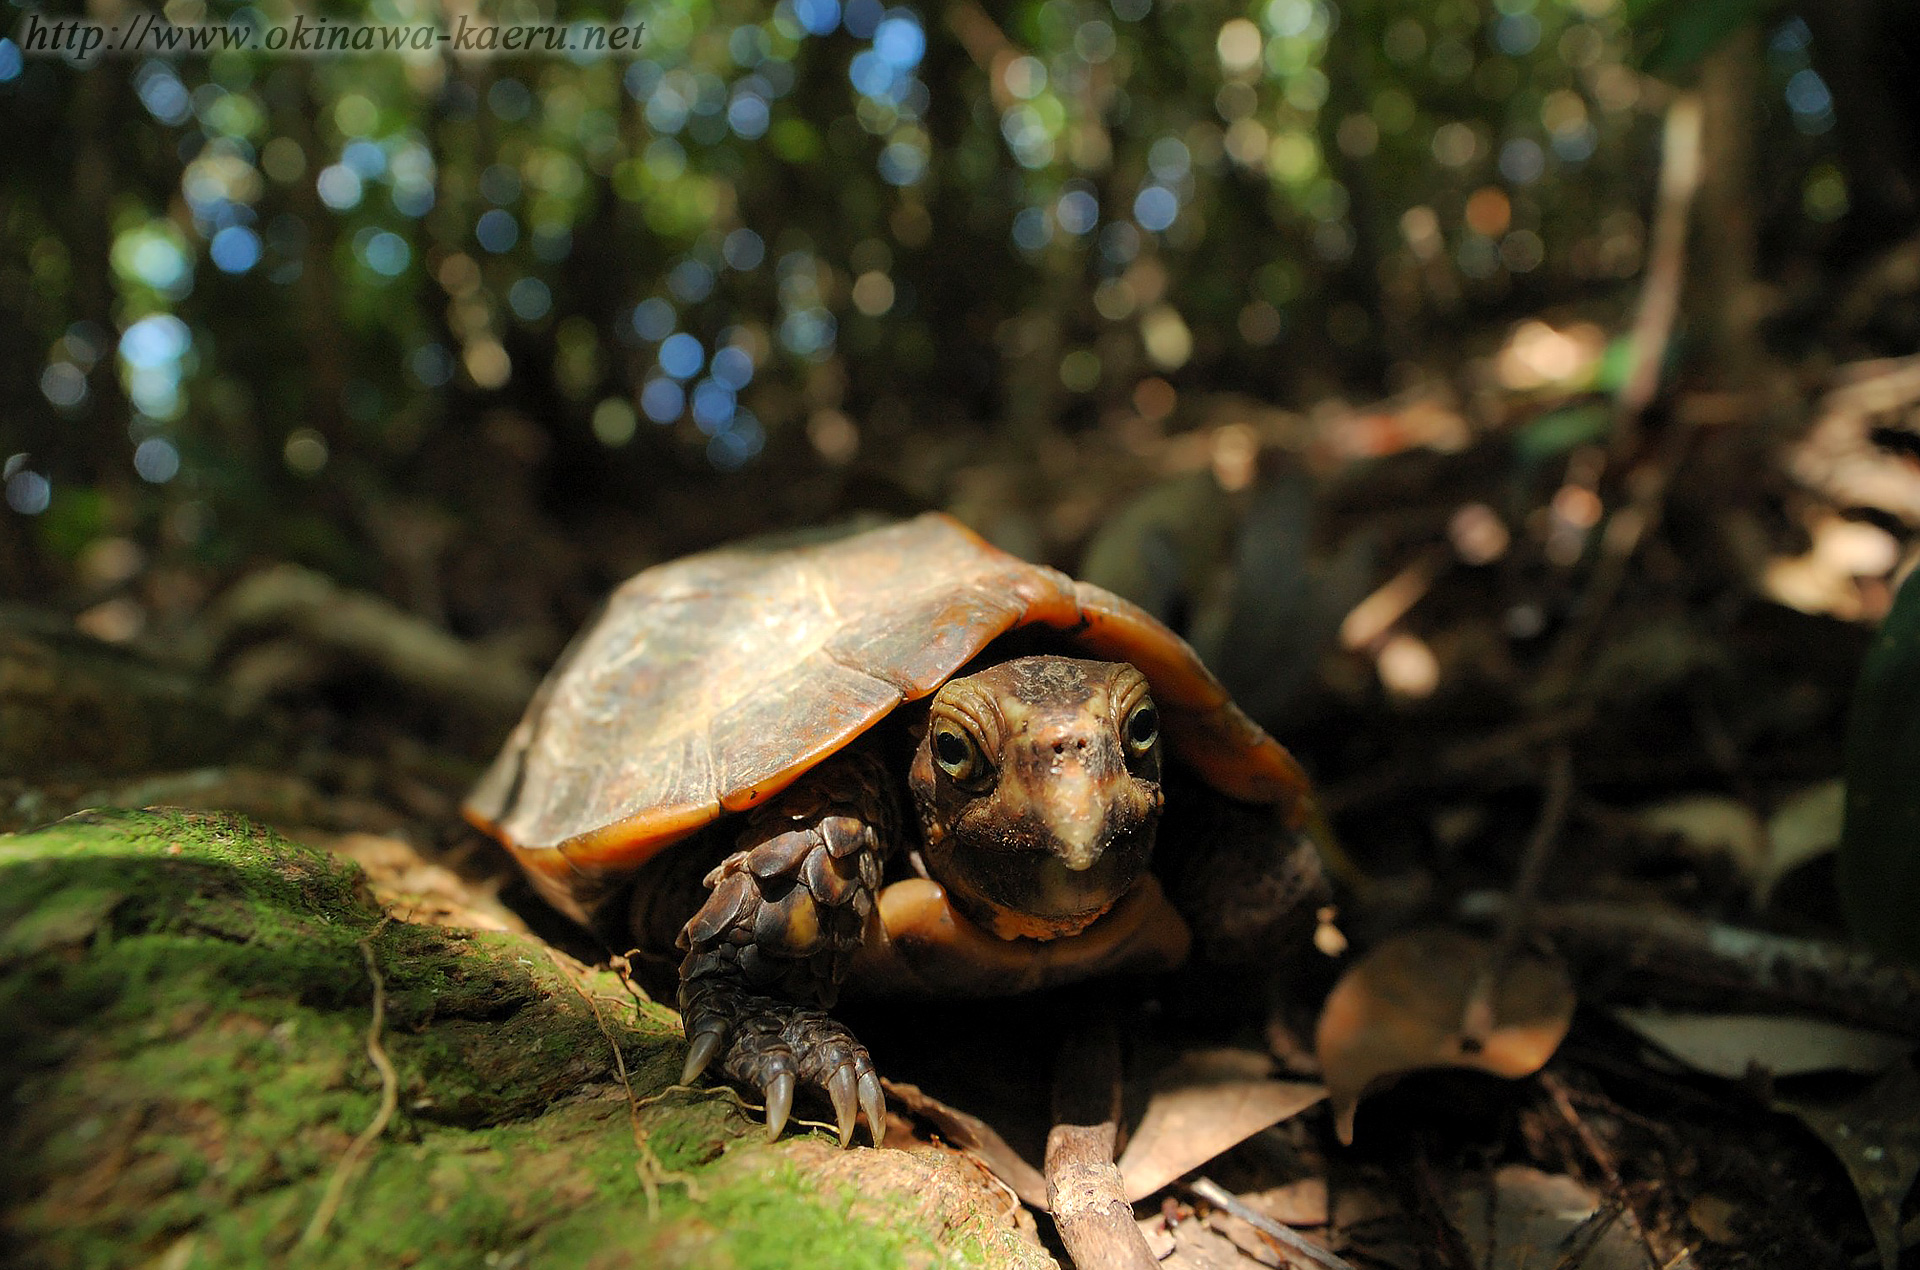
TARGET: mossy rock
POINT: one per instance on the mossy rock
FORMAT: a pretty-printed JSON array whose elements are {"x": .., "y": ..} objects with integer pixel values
[{"x": 184, "y": 1008}]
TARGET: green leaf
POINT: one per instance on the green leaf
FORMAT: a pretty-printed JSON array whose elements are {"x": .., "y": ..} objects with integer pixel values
[
  {"x": 1675, "y": 35},
  {"x": 1880, "y": 843},
  {"x": 1560, "y": 431}
]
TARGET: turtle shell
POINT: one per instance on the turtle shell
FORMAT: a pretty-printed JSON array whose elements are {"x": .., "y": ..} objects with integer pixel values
[{"x": 709, "y": 684}]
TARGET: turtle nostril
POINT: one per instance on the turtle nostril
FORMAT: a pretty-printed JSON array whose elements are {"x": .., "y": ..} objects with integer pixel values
[
  {"x": 1059, "y": 747},
  {"x": 1081, "y": 744}
]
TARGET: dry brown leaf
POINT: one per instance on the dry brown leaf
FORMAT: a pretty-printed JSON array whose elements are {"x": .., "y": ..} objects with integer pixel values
[
  {"x": 1537, "y": 1218},
  {"x": 1193, "y": 1245},
  {"x": 1804, "y": 827},
  {"x": 1207, "y": 1102},
  {"x": 1712, "y": 824},
  {"x": 1716, "y": 1218},
  {"x": 1787, "y": 1045},
  {"x": 1406, "y": 1006},
  {"x": 1243, "y": 1236},
  {"x": 1301, "y": 1203},
  {"x": 1876, "y": 1134}
]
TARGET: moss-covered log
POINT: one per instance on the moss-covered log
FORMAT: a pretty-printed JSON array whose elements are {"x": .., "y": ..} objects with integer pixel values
[{"x": 185, "y": 1002}]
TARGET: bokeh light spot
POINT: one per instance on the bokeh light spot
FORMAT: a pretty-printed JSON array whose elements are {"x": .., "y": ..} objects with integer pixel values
[
  {"x": 156, "y": 460},
  {"x": 900, "y": 42},
  {"x": 509, "y": 100},
  {"x": 691, "y": 281},
  {"x": 653, "y": 319},
  {"x": 28, "y": 492},
  {"x": 1239, "y": 46},
  {"x": 235, "y": 249},
  {"x": 305, "y": 451},
  {"x": 497, "y": 230},
  {"x": 817, "y": 17},
  {"x": 387, "y": 254},
  {"x": 1077, "y": 211},
  {"x": 748, "y": 116},
  {"x": 873, "y": 293},
  {"x": 663, "y": 400},
  {"x": 1032, "y": 230},
  {"x": 743, "y": 250},
  {"x": 713, "y": 406},
  {"x": 339, "y": 187},
  {"x": 681, "y": 356},
  {"x": 613, "y": 422},
  {"x": 733, "y": 367},
  {"x": 431, "y": 364},
  {"x": 862, "y": 18},
  {"x": 1156, "y": 208},
  {"x": 1522, "y": 161},
  {"x": 529, "y": 299}
]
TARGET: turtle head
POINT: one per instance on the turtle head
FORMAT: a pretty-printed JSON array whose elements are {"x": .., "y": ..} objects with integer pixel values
[{"x": 1038, "y": 788}]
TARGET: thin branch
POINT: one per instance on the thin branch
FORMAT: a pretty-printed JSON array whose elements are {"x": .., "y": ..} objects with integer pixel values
[
  {"x": 1085, "y": 1192},
  {"x": 389, "y": 1100},
  {"x": 1285, "y": 1235},
  {"x": 1627, "y": 952},
  {"x": 1666, "y": 266},
  {"x": 1450, "y": 1244},
  {"x": 1584, "y": 1237},
  {"x": 1602, "y": 1158},
  {"x": 648, "y": 1166},
  {"x": 1477, "y": 1019},
  {"x": 1539, "y": 853}
]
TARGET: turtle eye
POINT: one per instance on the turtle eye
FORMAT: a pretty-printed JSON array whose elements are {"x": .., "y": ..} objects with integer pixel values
[
  {"x": 957, "y": 753},
  {"x": 1143, "y": 728}
]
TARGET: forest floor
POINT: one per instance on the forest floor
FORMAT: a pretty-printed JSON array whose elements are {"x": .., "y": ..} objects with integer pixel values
[{"x": 1539, "y": 664}]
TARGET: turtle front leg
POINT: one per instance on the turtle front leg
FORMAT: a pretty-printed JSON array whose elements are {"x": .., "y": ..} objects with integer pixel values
[{"x": 767, "y": 951}]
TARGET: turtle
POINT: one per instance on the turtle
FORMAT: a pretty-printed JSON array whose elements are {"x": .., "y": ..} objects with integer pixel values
[{"x": 902, "y": 761}]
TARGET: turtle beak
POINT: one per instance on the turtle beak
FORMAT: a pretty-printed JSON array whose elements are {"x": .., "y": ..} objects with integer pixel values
[{"x": 1076, "y": 815}]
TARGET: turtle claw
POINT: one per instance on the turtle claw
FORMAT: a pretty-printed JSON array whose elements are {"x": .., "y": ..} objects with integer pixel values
[
  {"x": 779, "y": 1103},
  {"x": 776, "y": 1047},
  {"x": 874, "y": 1103},
  {"x": 705, "y": 1045},
  {"x": 846, "y": 1110}
]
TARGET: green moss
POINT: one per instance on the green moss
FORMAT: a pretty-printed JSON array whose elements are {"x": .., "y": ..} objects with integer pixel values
[
  {"x": 777, "y": 1220},
  {"x": 183, "y": 1010}
]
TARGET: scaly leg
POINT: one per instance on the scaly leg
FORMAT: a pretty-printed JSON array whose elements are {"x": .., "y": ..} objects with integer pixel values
[{"x": 766, "y": 952}]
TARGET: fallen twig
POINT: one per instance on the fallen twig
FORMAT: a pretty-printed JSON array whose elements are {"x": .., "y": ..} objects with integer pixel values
[
  {"x": 1456, "y": 763},
  {"x": 1089, "y": 1201},
  {"x": 1602, "y": 1158},
  {"x": 389, "y": 1100},
  {"x": 1281, "y": 1233},
  {"x": 1449, "y": 1243},
  {"x": 1581, "y": 1239},
  {"x": 1478, "y": 1020},
  {"x": 1085, "y": 1191},
  {"x": 1677, "y": 959},
  {"x": 369, "y": 631},
  {"x": 1680, "y": 169}
]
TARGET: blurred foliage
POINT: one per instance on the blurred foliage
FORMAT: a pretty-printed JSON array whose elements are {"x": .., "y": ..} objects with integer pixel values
[
  {"x": 368, "y": 313},
  {"x": 1880, "y": 845},
  {"x": 1678, "y": 34}
]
